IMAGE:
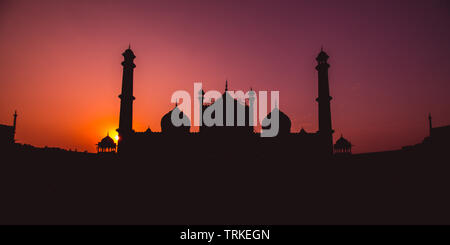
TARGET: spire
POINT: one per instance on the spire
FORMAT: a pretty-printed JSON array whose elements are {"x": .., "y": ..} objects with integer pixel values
[
  {"x": 15, "y": 118},
  {"x": 321, "y": 48},
  {"x": 14, "y": 125},
  {"x": 226, "y": 85},
  {"x": 129, "y": 45},
  {"x": 107, "y": 133},
  {"x": 251, "y": 93},
  {"x": 429, "y": 122},
  {"x": 302, "y": 131}
]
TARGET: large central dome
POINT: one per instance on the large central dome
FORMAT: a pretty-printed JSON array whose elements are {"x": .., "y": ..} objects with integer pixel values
[
  {"x": 168, "y": 127},
  {"x": 284, "y": 122}
]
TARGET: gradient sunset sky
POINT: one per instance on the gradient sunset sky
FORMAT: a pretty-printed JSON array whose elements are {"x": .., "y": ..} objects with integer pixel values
[{"x": 60, "y": 63}]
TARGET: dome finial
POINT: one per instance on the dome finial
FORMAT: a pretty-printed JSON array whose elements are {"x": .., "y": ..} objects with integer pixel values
[{"x": 129, "y": 45}]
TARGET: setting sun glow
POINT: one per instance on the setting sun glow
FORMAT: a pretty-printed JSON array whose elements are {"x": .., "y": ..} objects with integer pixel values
[{"x": 380, "y": 101}]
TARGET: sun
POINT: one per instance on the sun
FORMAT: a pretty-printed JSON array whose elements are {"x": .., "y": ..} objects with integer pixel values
[{"x": 114, "y": 135}]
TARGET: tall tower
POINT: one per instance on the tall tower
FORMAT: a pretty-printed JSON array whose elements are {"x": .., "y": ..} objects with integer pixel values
[
  {"x": 325, "y": 129},
  {"x": 126, "y": 97}
]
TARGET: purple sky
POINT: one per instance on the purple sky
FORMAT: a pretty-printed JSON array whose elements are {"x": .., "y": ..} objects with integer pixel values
[{"x": 60, "y": 63}]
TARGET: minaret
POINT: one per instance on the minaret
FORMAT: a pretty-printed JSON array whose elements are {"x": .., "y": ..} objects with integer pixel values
[
  {"x": 429, "y": 121},
  {"x": 126, "y": 97},
  {"x": 14, "y": 126},
  {"x": 325, "y": 129}
]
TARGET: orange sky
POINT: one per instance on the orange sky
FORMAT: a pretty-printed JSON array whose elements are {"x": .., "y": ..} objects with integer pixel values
[{"x": 60, "y": 63}]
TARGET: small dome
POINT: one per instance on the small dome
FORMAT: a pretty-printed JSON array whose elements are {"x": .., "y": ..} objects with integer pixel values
[
  {"x": 342, "y": 143},
  {"x": 107, "y": 144},
  {"x": 107, "y": 141},
  {"x": 167, "y": 125},
  {"x": 284, "y": 122}
]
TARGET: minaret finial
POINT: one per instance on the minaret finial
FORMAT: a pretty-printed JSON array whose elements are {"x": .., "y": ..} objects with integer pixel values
[
  {"x": 176, "y": 103},
  {"x": 226, "y": 85}
]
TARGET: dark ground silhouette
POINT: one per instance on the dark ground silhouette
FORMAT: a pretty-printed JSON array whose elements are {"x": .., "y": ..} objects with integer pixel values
[
  {"x": 225, "y": 175},
  {"x": 44, "y": 186}
]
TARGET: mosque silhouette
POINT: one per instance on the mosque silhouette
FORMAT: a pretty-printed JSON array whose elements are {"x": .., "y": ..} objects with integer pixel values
[
  {"x": 225, "y": 175},
  {"x": 217, "y": 138}
]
